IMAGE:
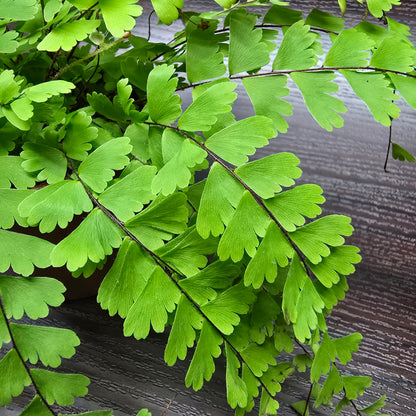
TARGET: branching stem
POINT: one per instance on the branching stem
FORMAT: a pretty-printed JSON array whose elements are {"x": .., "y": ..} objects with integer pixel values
[{"x": 13, "y": 341}]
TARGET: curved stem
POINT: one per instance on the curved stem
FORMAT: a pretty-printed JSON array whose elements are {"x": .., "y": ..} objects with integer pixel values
[{"x": 13, "y": 341}]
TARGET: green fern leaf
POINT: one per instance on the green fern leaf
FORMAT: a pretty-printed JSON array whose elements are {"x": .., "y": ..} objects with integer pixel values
[
  {"x": 9, "y": 201},
  {"x": 266, "y": 176},
  {"x": 355, "y": 385},
  {"x": 263, "y": 314},
  {"x": 248, "y": 222},
  {"x": 340, "y": 261},
  {"x": 159, "y": 296},
  {"x": 203, "y": 58},
  {"x": 247, "y": 50},
  {"x": 167, "y": 10},
  {"x": 163, "y": 218},
  {"x": 264, "y": 93},
  {"x": 374, "y": 89},
  {"x": 314, "y": 238},
  {"x": 259, "y": 357},
  {"x": 350, "y": 48},
  {"x": 66, "y": 35},
  {"x": 202, "y": 365},
  {"x": 36, "y": 408},
  {"x": 280, "y": 15},
  {"x": 9, "y": 86},
  {"x": 204, "y": 111},
  {"x": 406, "y": 87},
  {"x": 374, "y": 407},
  {"x": 126, "y": 279},
  {"x": 102, "y": 105},
  {"x": 182, "y": 335},
  {"x": 98, "y": 168},
  {"x": 187, "y": 252},
  {"x": 176, "y": 172},
  {"x": 297, "y": 48},
  {"x": 319, "y": 18},
  {"x": 30, "y": 295},
  {"x": 4, "y": 332},
  {"x": 225, "y": 309},
  {"x": 394, "y": 54},
  {"x": 14, "y": 253},
  {"x": 50, "y": 161},
  {"x": 346, "y": 346},
  {"x": 164, "y": 106},
  {"x": 236, "y": 388},
  {"x": 400, "y": 153},
  {"x": 268, "y": 405},
  {"x": 143, "y": 412},
  {"x": 23, "y": 10},
  {"x": 138, "y": 134},
  {"x": 276, "y": 375},
  {"x": 14, "y": 119},
  {"x": 378, "y": 7},
  {"x": 331, "y": 295},
  {"x": 55, "y": 205},
  {"x": 274, "y": 250},
  {"x": 201, "y": 286},
  {"x": 13, "y": 377},
  {"x": 22, "y": 108},
  {"x": 45, "y": 90},
  {"x": 78, "y": 136},
  {"x": 129, "y": 194},
  {"x": 45, "y": 344},
  {"x": 220, "y": 196},
  {"x": 323, "y": 358},
  {"x": 240, "y": 139},
  {"x": 11, "y": 172},
  {"x": 119, "y": 16},
  {"x": 316, "y": 89},
  {"x": 58, "y": 387},
  {"x": 93, "y": 239},
  {"x": 291, "y": 207},
  {"x": 344, "y": 402},
  {"x": 333, "y": 385}
]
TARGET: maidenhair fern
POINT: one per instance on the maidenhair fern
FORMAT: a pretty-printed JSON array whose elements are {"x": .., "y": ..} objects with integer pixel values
[{"x": 241, "y": 263}]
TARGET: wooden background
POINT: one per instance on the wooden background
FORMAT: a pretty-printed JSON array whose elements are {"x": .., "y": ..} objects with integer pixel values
[{"x": 127, "y": 375}]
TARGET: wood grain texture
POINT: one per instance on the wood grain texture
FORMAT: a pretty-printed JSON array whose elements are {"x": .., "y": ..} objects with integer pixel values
[{"x": 381, "y": 304}]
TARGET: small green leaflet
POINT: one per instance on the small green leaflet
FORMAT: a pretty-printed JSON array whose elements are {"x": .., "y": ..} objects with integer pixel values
[
  {"x": 119, "y": 16},
  {"x": 355, "y": 385},
  {"x": 264, "y": 94},
  {"x": 129, "y": 194},
  {"x": 30, "y": 295},
  {"x": 406, "y": 87},
  {"x": 176, "y": 172},
  {"x": 240, "y": 139},
  {"x": 203, "y": 58},
  {"x": 274, "y": 250},
  {"x": 126, "y": 279},
  {"x": 248, "y": 222},
  {"x": 314, "y": 238},
  {"x": 316, "y": 89},
  {"x": 21, "y": 107},
  {"x": 50, "y": 162},
  {"x": 342, "y": 6},
  {"x": 236, "y": 388},
  {"x": 164, "y": 106},
  {"x": 111, "y": 110},
  {"x": 259, "y": 357},
  {"x": 377, "y": 405},
  {"x": 402, "y": 154},
  {"x": 203, "y": 112},
  {"x": 225, "y": 309},
  {"x": 394, "y": 54},
  {"x": 221, "y": 195},
  {"x": 9, "y": 87},
  {"x": 36, "y": 408},
  {"x": 319, "y": 18},
  {"x": 247, "y": 50},
  {"x": 377, "y": 7},
  {"x": 339, "y": 262},
  {"x": 262, "y": 317},
  {"x": 291, "y": 207},
  {"x": 60, "y": 388},
  {"x": 14, "y": 253},
  {"x": 167, "y": 10},
  {"x": 93, "y": 239},
  {"x": 226, "y": 3},
  {"x": 55, "y": 205},
  {"x": 346, "y": 346},
  {"x": 323, "y": 358},
  {"x": 268, "y": 405},
  {"x": 12, "y": 172},
  {"x": 45, "y": 90},
  {"x": 4, "y": 332},
  {"x": 333, "y": 385},
  {"x": 22, "y": 10},
  {"x": 163, "y": 218},
  {"x": 351, "y": 48},
  {"x": 78, "y": 136},
  {"x": 268, "y": 175},
  {"x": 182, "y": 335},
  {"x": 143, "y": 412},
  {"x": 297, "y": 48},
  {"x": 202, "y": 365},
  {"x": 280, "y": 15},
  {"x": 66, "y": 35},
  {"x": 331, "y": 295},
  {"x": 98, "y": 168},
  {"x": 45, "y": 344},
  {"x": 9, "y": 201},
  {"x": 13, "y": 377},
  {"x": 159, "y": 296},
  {"x": 374, "y": 89}
]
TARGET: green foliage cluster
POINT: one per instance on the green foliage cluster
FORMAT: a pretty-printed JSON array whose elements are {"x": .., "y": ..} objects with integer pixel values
[{"x": 240, "y": 264}]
